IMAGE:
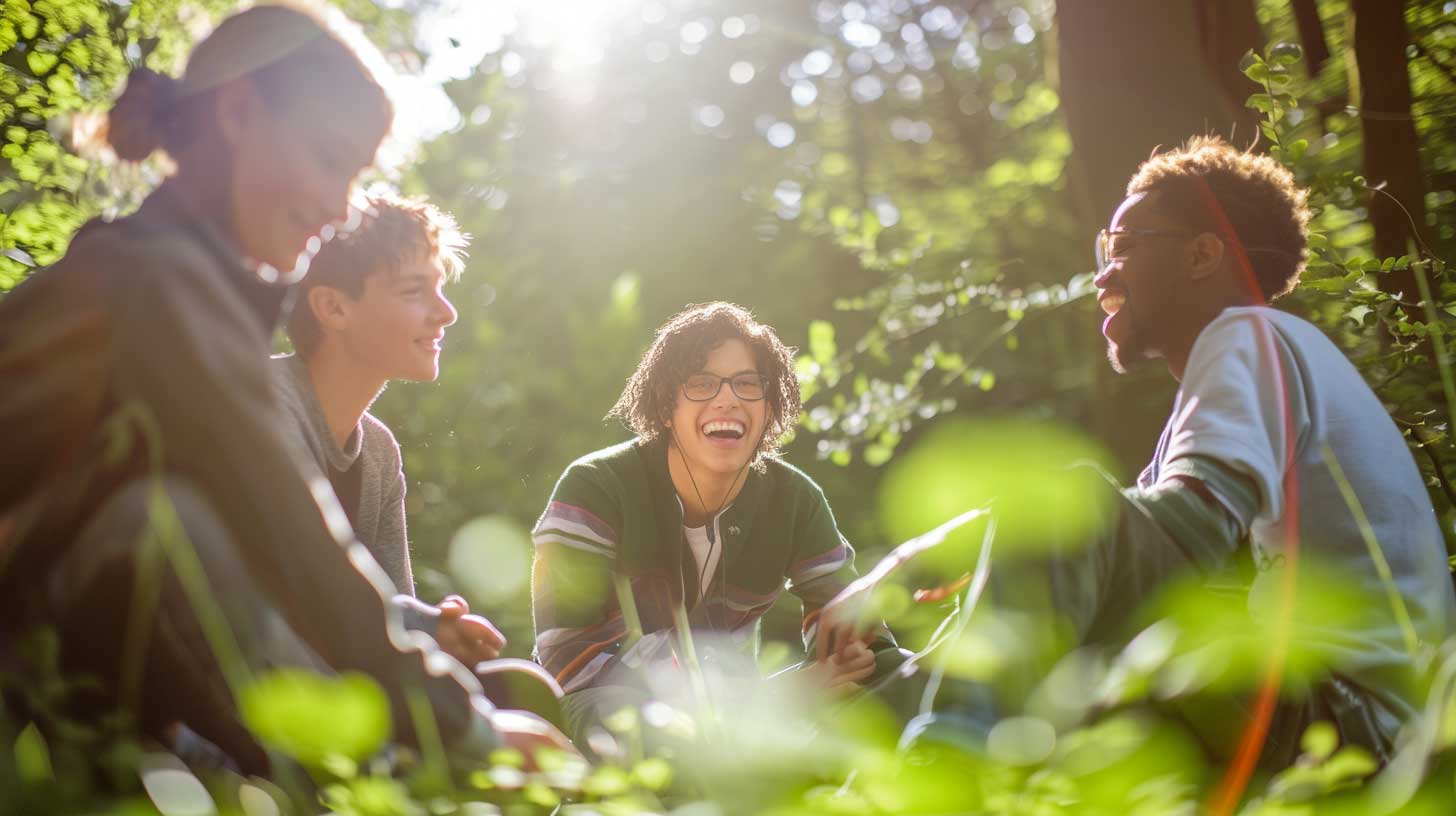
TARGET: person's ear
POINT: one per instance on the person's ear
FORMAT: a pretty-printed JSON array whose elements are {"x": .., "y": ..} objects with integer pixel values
[
  {"x": 237, "y": 106},
  {"x": 330, "y": 307},
  {"x": 1205, "y": 255}
]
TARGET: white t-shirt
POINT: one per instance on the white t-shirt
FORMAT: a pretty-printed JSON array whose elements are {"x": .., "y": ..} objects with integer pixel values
[
  {"x": 1266, "y": 393},
  {"x": 705, "y": 553}
]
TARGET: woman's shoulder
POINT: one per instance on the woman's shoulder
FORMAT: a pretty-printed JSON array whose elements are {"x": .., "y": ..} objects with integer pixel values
[{"x": 135, "y": 245}]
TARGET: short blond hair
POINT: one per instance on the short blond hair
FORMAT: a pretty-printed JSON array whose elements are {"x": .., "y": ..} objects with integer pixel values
[
  {"x": 393, "y": 232},
  {"x": 1267, "y": 210}
]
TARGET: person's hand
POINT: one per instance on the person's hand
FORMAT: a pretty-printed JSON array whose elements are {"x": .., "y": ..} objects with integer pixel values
[
  {"x": 466, "y": 637},
  {"x": 529, "y": 734},
  {"x": 843, "y": 621},
  {"x": 845, "y": 669},
  {"x": 847, "y": 617}
]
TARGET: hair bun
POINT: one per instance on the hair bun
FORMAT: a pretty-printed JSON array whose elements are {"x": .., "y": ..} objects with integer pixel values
[{"x": 138, "y": 122}]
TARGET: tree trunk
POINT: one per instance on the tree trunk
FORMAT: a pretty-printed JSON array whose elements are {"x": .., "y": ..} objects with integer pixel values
[
  {"x": 1311, "y": 34},
  {"x": 1137, "y": 75},
  {"x": 1389, "y": 134},
  {"x": 1226, "y": 31},
  {"x": 1140, "y": 74}
]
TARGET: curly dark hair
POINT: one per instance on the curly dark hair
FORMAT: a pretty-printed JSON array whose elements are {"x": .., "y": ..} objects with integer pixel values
[
  {"x": 681, "y": 349},
  {"x": 1265, "y": 207}
]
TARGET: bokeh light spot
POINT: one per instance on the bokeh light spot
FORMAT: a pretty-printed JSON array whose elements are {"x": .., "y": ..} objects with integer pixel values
[
  {"x": 780, "y": 134},
  {"x": 490, "y": 559},
  {"x": 710, "y": 116},
  {"x": 817, "y": 63},
  {"x": 1021, "y": 740},
  {"x": 694, "y": 32}
]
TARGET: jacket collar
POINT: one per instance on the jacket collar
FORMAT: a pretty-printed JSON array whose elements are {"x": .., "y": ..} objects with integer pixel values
[
  {"x": 734, "y": 523},
  {"x": 167, "y": 207}
]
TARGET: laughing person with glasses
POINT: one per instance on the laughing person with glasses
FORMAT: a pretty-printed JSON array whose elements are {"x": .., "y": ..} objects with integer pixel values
[{"x": 696, "y": 519}]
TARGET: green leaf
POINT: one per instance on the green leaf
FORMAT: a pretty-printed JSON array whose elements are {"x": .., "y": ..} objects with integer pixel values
[
  {"x": 41, "y": 62},
  {"x": 878, "y": 454},
  {"x": 1359, "y": 313},
  {"x": 653, "y": 774},
  {"x": 538, "y": 794},
  {"x": 1297, "y": 149},
  {"x": 1320, "y": 740},
  {"x": 1262, "y": 102},
  {"x": 607, "y": 781},
  {"x": 340, "y": 766},
  {"x": 1257, "y": 71},
  {"x": 821, "y": 342},
  {"x": 1285, "y": 53},
  {"x": 310, "y": 717},
  {"x": 1350, "y": 763},
  {"x": 32, "y": 756},
  {"x": 623, "y": 721}
]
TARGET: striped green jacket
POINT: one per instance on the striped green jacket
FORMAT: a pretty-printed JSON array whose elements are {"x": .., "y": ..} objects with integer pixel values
[{"x": 615, "y": 514}]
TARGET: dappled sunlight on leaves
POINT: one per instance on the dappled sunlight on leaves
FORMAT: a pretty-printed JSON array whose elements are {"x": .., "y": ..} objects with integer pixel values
[
  {"x": 309, "y": 717},
  {"x": 1024, "y": 471},
  {"x": 1219, "y": 640}
]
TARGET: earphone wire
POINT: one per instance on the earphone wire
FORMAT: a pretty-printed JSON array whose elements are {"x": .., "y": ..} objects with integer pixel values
[{"x": 712, "y": 519}]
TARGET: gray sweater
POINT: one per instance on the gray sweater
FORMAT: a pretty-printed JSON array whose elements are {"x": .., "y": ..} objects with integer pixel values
[{"x": 379, "y": 519}]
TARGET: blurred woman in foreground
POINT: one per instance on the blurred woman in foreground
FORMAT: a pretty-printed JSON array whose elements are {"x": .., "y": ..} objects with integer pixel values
[{"x": 134, "y": 384}]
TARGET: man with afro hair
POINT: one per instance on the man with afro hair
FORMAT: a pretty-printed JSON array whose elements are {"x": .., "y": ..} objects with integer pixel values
[{"x": 1274, "y": 440}]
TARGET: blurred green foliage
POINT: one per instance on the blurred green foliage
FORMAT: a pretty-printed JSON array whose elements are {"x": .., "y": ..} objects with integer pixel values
[
  {"x": 885, "y": 182},
  {"x": 312, "y": 718}
]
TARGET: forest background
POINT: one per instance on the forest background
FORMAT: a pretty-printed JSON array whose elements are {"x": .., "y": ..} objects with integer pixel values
[{"x": 906, "y": 189}]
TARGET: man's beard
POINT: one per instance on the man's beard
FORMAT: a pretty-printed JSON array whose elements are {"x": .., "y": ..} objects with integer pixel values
[
  {"x": 1128, "y": 355},
  {"x": 1114, "y": 358}
]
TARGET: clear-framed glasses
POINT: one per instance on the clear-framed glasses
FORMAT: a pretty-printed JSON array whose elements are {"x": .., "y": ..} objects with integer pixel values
[
  {"x": 747, "y": 386},
  {"x": 1107, "y": 249}
]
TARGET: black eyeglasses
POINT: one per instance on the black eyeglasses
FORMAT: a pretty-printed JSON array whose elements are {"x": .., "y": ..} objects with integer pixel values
[
  {"x": 1103, "y": 247},
  {"x": 1105, "y": 252},
  {"x": 704, "y": 386}
]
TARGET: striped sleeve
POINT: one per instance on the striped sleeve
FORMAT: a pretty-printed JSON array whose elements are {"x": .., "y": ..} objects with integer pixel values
[
  {"x": 574, "y": 527},
  {"x": 578, "y": 625}
]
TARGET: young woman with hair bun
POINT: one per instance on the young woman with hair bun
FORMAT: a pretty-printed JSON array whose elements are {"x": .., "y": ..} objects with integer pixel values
[{"x": 134, "y": 388}]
